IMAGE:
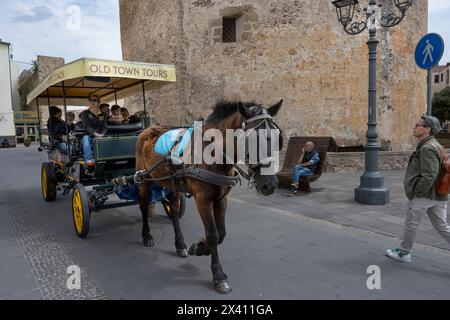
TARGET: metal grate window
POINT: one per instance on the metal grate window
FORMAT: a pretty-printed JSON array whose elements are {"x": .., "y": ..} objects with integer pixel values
[{"x": 229, "y": 30}]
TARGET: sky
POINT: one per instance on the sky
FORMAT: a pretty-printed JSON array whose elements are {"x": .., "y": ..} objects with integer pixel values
[
  {"x": 63, "y": 28},
  {"x": 91, "y": 28}
]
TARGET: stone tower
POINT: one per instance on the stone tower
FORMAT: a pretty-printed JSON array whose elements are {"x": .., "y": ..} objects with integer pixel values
[{"x": 267, "y": 50}]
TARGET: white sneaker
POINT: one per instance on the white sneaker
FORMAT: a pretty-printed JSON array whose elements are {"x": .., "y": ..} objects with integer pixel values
[{"x": 399, "y": 255}]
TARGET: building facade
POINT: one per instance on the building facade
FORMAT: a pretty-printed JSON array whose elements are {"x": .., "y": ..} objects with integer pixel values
[
  {"x": 7, "y": 130},
  {"x": 441, "y": 78},
  {"x": 264, "y": 51}
]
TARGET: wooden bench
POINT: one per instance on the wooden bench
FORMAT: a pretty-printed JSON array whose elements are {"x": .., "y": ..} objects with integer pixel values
[{"x": 294, "y": 150}]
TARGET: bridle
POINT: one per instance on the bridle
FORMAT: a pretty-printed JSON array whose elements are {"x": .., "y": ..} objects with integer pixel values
[{"x": 248, "y": 125}]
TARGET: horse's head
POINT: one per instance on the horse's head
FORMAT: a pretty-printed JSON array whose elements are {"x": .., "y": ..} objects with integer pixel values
[{"x": 260, "y": 129}]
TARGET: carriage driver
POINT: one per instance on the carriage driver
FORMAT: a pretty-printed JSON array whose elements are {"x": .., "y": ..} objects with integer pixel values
[{"x": 94, "y": 125}]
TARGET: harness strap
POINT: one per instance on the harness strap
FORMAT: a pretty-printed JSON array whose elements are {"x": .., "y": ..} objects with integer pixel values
[
  {"x": 188, "y": 172},
  {"x": 207, "y": 176}
]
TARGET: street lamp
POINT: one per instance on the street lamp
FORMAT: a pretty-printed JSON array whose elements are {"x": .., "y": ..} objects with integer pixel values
[{"x": 371, "y": 189}]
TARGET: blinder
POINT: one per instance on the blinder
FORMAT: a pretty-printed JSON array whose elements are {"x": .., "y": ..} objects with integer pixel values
[{"x": 254, "y": 124}]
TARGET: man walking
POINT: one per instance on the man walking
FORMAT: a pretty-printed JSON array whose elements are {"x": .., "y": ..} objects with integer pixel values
[{"x": 421, "y": 175}]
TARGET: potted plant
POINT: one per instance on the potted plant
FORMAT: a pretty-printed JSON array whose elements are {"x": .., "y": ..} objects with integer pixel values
[{"x": 27, "y": 142}]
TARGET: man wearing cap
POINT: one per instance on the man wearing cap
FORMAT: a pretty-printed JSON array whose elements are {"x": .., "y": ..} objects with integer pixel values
[{"x": 421, "y": 175}]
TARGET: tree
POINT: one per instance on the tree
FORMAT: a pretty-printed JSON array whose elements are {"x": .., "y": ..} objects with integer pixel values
[{"x": 441, "y": 104}]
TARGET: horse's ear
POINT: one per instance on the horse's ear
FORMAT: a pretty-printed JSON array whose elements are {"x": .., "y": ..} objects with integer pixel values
[
  {"x": 273, "y": 110},
  {"x": 244, "y": 111}
]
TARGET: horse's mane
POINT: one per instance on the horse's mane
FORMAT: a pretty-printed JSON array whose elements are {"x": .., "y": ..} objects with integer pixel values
[{"x": 224, "y": 109}]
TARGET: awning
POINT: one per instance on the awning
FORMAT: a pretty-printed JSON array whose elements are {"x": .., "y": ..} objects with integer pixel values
[{"x": 108, "y": 79}]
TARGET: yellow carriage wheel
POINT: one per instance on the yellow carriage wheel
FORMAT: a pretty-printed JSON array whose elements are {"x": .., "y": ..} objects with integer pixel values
[
  {"x": 81, "y": 211},
  {"x": 48, "y": 182}
]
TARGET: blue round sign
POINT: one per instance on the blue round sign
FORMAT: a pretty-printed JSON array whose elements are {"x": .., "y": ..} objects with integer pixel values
[{"x": 429, "y": 51}]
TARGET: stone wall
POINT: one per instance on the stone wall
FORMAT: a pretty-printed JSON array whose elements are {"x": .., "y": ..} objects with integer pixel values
[
  {"x": 286, "y": 49},
  {"x": 151, "y": 31},
  {"x": 354, "y": 161},
  {"x": 29, "y": 79}
]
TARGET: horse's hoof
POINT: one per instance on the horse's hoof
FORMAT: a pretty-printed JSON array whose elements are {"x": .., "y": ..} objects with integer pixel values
[
  {"x": 222, "y": 286},
  {"x": 193, "y": 250},
  {"x": 148, "y": 242},
  {"x": 182, "y": 253}
]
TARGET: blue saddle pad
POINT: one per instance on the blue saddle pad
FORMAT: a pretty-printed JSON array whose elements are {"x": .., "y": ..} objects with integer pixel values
[
  {"x": 131, "y": 192},
  {"x": 166, "y": 142}
]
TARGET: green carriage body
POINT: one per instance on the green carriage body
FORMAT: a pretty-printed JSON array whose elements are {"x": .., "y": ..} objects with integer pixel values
[{"x": 114, "y": 154}]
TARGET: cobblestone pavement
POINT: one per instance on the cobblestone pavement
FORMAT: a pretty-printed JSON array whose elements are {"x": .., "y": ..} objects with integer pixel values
[
  {"x": 47, "y": 259},
  {"x": 276, "y": 247}
]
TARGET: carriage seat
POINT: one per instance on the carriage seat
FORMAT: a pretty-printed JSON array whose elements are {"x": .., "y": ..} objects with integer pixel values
[
  {"x": 124, "y": 128},
  {"x": 114, "y": 129}
]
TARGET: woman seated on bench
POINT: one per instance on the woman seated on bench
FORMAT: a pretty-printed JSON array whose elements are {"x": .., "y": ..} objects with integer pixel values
[{"x": 307, "y": 164}]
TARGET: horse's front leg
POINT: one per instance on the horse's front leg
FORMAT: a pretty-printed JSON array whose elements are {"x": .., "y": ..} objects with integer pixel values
[
  {"x": 220, "y": 207},
  {"x": 175, "y": 207},
  {"x": 201, "y": 248},
  {"x": 147, "y": 238},
  {"x": 206, "y": 210}
]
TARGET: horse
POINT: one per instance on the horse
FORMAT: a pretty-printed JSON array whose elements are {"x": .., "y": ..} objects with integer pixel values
[{"x": 210, "y": 199}]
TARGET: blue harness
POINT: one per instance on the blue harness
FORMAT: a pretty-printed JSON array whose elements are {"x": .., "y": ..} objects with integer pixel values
[
  {"x": 179, "y": 138},
  {"x": 131, "y": 192}
]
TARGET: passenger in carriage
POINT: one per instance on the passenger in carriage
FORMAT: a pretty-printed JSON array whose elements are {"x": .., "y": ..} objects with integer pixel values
[
  {"x": 115, "y": 118},
  {"x": 104, "y": 108},
  {"x": 94, "y": 125},
  {"x": 70, "y": 121},
  {"x": 55, "y": 114},
  {"x": 127, "y": 118},
  {"x": 57, "y": 129},
  {"x": 79, "y": 124}
]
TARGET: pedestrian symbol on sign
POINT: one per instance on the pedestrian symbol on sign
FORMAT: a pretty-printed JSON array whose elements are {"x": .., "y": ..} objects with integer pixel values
[{"x": 428, "y": 52}]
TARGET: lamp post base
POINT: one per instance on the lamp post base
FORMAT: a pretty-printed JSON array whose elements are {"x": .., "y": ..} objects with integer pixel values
[{"x": 371, "y": 190}]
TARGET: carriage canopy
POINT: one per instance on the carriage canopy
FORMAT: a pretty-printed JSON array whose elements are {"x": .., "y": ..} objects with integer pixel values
[{"x": 72, "y": 83}]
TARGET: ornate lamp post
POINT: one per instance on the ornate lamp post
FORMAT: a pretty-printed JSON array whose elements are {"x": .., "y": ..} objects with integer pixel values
[{"x": 371, "y": 189}]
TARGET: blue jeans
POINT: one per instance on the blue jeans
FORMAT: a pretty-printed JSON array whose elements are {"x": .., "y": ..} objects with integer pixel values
[
  {"x": 64, "y": 147},
  {"x": 86, "y": 141},
  {"x": 300, "y": 171}
]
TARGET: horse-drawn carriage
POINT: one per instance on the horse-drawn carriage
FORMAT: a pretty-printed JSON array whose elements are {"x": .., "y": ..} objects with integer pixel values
[
  {"x": 114, "y": 154},
  {"x": 128, "y": 163}
]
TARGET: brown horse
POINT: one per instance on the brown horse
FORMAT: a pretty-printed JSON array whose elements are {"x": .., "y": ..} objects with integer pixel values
[{"x": 211, "y": 200}]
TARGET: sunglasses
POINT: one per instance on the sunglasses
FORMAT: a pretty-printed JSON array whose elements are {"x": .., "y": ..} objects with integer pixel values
[
  {"x": 421, "y": 125},
  {"x": 93, "y": 100}
]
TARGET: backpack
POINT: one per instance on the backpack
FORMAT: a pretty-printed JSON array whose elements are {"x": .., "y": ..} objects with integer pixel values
[{"x": 442, "y": 185}]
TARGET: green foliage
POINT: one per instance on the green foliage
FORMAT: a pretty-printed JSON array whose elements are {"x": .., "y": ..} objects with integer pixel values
[{"x": 441, "y": 104}]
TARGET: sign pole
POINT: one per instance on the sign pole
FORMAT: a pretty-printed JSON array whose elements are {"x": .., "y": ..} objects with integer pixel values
[{"x": 429, "y": 93}]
